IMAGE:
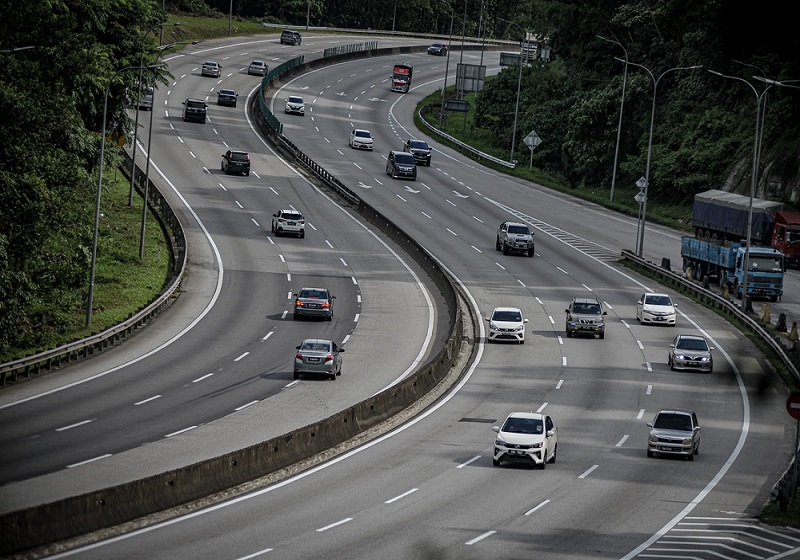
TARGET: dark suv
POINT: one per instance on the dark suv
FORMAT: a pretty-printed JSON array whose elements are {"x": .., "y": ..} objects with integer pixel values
[
  {"x": 401, "y": 164},
  {"x": 419, "y": 149},
  {"x": 236, "y": 161},
  {"x": 585, "y": 315},
  {"x": 290, "y": 38},
  {"x": 195, "y": 110}
]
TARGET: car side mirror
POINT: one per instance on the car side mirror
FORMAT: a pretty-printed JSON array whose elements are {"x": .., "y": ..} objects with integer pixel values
[
  {"x": 274, "y": 215},
  {"x": 605, "y": 313},
  {"x": 341, "y": 349},
  {"x": 297, "y": 347},
  {"x": 566, "y": 311},
  {"x": 674, "y": 305},
  {"x": 524, "y": 320},
  {"x": 650, "y": 424},
  {"x": 639, "y": 302},
  {"x": 496, "y": 429},
  {"x": 672, "y": 346},
  {"x": 332, "y": 297},
  {"x": 551, "y": 433}
]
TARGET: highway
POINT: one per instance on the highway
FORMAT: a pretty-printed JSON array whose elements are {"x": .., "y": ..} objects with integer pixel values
[{"x": 428, "y": 489}]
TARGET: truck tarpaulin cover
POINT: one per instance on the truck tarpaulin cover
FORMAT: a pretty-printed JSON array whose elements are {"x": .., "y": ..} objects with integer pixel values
[{"x": 726, "y": 213}]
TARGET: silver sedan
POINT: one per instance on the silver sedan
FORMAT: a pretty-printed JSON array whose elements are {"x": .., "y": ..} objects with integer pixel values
[{"x": 320, "y": 356}]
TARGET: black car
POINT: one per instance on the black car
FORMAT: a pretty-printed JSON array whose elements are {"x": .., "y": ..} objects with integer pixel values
[
  {"x": 236, "y": 161},
  {"x": 401, "y": 165},
  {"x": 195, "y": 110},
  {"x": 290, "y": 38},
  {"x": 227, "y": 97},
  {"x": 419, "y": 149},
  {"x": 438, "y": 49}
]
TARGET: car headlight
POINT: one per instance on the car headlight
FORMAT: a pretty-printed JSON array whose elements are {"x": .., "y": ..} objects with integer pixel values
[
  {"x": 499, "y": 442},
  {"x": 493, "y": 326},
  {"x": 687, "y": 441},
  {"x": 704, "y": 359},
  {"x": 680, "y": 357},
  {"x": 519, "y": 328},
  {"x": 653, "y": 438},
  {"x": 536, "y": 445}
]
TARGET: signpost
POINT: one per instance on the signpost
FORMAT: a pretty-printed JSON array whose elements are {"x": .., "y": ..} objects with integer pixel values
[{"x": 532, "y": 140}]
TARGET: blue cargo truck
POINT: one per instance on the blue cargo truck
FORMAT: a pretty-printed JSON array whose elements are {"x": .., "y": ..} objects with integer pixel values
[{"x": 726, "y": 264}]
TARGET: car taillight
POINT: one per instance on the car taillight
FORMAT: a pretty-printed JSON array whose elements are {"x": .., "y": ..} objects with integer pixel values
[
  {"x": 298, "y": 356},
  {"x": 329, "y": 358},
  {"x": 326, "y": 304},
  {"x": 298, "y": 303}
]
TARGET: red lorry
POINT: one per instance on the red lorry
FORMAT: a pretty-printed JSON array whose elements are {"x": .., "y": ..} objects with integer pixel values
[{"x": 786, "y": 235}]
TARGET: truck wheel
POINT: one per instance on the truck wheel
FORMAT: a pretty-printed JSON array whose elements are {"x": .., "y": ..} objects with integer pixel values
[{"x": 773, "y": 298}]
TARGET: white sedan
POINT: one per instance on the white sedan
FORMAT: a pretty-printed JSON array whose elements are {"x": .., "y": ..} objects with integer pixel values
[
  {"x": 361, "y": 139},
  {"x": 656, "y": 309},
  {"x": 507, "y": 323}
]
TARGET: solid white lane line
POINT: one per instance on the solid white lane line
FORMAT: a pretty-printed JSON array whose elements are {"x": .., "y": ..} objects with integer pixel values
[
  {"x": 180, "y": 431},
  {"x": 89, "y": 461}
]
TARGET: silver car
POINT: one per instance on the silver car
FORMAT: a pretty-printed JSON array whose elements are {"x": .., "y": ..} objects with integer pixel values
[
  {"x": 258, "y": 67},
  {"x": 674, "y": 432},
  {"x": 690, "y": 351},
  {"x": 315, "y": 355},
  {"x": 313, "y": 302},
  {"x": 211, "y": 68}
]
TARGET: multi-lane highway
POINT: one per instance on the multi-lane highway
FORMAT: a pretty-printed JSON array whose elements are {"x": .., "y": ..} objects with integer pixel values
[{"x": 428, "y": 489}]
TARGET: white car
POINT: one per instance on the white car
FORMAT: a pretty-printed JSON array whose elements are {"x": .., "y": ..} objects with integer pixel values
[
  {"x": 507, "y": 323},
  {"x": 361, "y": 139},
  {"x": 295, "y": 104},
  {"x": 530, "y": 438},
  {"x": 656, "y": 309},
  {"x": 285, "y": 222}
]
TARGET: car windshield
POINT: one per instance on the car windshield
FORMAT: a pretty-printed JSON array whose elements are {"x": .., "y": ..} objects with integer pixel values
[
  {"x": 671, "y": 421},
  {"x": 314, "y": 294},
  {"x": 316, "y": 346},
  {"x": 692, "y": 344},
  {"x": 404, "y": 158},
  {"x": 507, "y": 316},
  {"x": 519, "y": 229},
  {"x": 587, "y": 308},
  {"x": 363, "y": 134},
  {"x": 523, "y": 426},
  {"x": 657, "y": 300},
  {"x": 765, "y": 264},
  {"x": 295, "y": 99},
  {"x": 418, "y": 144},
  {"x": 239, "y": 156}
]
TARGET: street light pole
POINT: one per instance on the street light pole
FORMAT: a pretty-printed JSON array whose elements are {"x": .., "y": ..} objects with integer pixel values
[
  {"x": 621, "y": 106},
  {"x": 99, "y": 192},
  {"x": 519, "y": 87},
  {"x": 446, "y": 66},
  {"x": 640, "y": 245}
]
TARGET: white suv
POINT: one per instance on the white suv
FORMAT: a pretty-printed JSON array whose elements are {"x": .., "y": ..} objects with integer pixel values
[
  {"x": 507, "y": 323},
  {"x": 530, "y": 438},
  {"x": 288, "y": 221}
]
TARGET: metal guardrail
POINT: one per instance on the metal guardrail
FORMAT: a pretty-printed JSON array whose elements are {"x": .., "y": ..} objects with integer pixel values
[
  {"x": 459, "y": 143},
  {"x": 75, "y": 351}
]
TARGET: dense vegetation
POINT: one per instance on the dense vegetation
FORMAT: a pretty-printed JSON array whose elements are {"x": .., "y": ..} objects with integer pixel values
[{"x": 53, "y": 96}]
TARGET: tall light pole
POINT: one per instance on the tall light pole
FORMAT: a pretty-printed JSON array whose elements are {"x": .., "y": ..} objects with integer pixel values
[
  {"x": 519, "y": 87},
  {"x": 99, "y": 192},
  {"x": 621, "y": 106},
  {"x": 447, "y": 65},
  {"x": 640, "y": 244}
]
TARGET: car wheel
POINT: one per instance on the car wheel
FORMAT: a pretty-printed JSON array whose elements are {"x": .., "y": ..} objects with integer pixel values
[
  {"x": 278, "y": 232},
  {"x": 601, "y": 336},
  {"x": 543, "y": 464},
  {"x": 505, "y": 249},
  {"x": 690, "y": 457},
  {"x": 295, "y": 316},
  {"x": 234, "y": 105},
  {"x": 247, "y": 174},
  {"x": 649, "y": 453},
  {"x": 569, "y": 333},
  {"x": 522, "y": 341},
  {"x": 495, "y": 462},
  {"x": 671, "y": 364},
  {"x": 332, "y": 377},
  {"x": 530, "y": 252},
  {"x": 296, "y": 375},
  {"x": 555, "y": 452},
  {"x": 497, "y": 244},
  {"x": 329, "y": 317},
  {"x": 302, "y": 235},
  {"x": 697, "y": 449},
  {"x": 711, "y": 369}
]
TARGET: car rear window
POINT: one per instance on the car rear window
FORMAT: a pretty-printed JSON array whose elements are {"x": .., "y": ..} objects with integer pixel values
[
  {"x": 316, "y": 346},
  {"x": 519, "y": 229},
  {"x": 316, "y": 294},
  {"x": 196, "y": 104},
  {"x": 290, "y": 216},
  {"x": 240, "y": 156}
]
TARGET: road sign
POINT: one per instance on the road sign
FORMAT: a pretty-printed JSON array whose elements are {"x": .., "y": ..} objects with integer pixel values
[
  {"x": 641, "y": 183},
  {"x": 793, "y": 405},
  {"x": 456, "y": 105},
  {"x": 639, "y": 197},
  {"x": 532, "y": 140}
]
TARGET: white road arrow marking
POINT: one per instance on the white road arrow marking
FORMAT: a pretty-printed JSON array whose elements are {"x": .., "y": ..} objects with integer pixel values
[{"x": 409, "y": 189}]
